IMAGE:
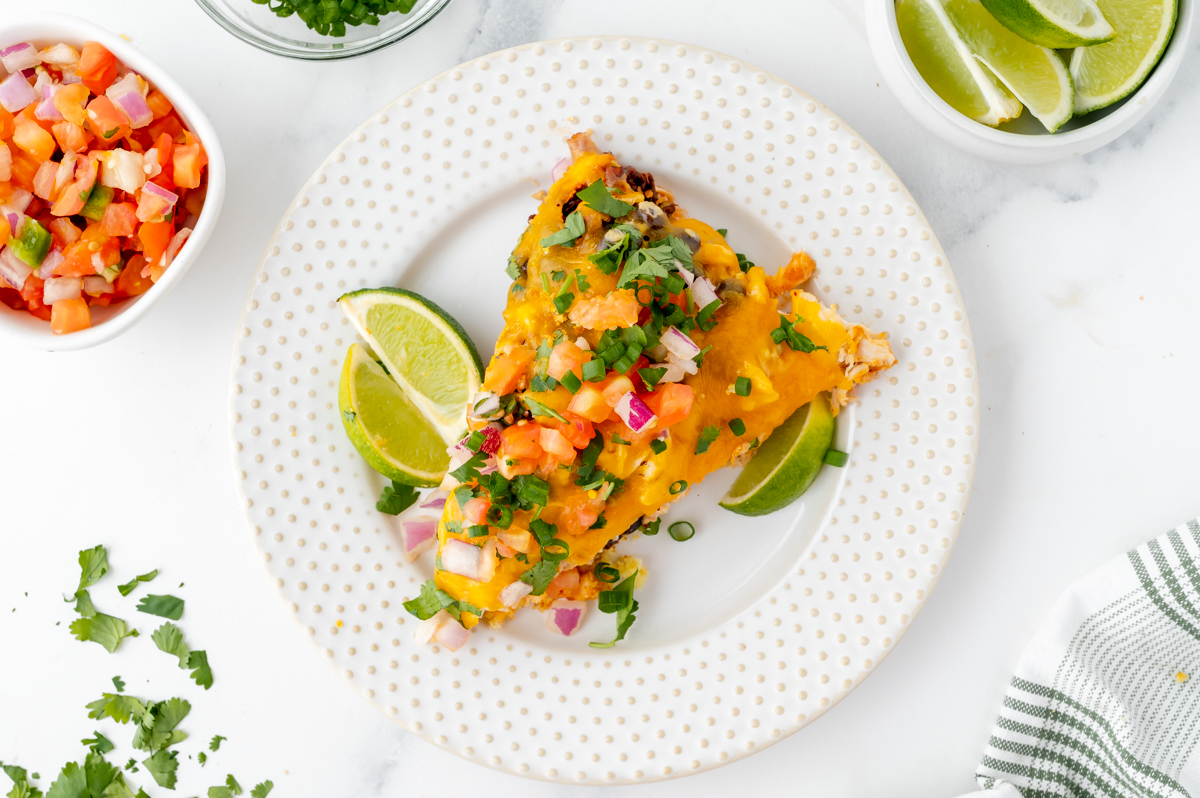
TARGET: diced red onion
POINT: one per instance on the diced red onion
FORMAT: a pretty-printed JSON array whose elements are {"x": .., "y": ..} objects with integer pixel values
[
  {"x": 19, "y": 56},
  {"x": 634, "y": 412},
  {"x": 678, "y": 343},
  {"x": 565, "y": 617},
  {"x": 46, "y": 109},
  {"x": 53, "y": 258},
  {"x": 135, "y": 107},
  {"x": 14, "y": 223},
  {"x": 703, "y": 293},
  {"x": 462, "y": 558},
  {"x": 123, "y": 169},
  {"x": 69, "y": 76},
  {"x": 16, "y": 94},
  {"x": 582, "y": 343},
  {"x": 18, "y": 202},
  {"x": 427, "y": 628},
  {"x": 516, "y": 591},
  {"x": 452, "y": 634},
  {"x": 14, "y": 270},
  {"x": 491, "y": 438},
  {"x": 58, "y": 288},
  {"x": 95, "y": 285},
  {"x": 155, "y": 190},
  {"x": 176, "y": 244},
  {"x": 484, "y": 404},
  {"x": 417, "y": 535},
  {"x": 674, "y": 372},
  {"x": 487, "y": 561},
  {"x": 560, "y": 169},
  {"x": 491, "y": 467},
  {"x": 60, "y": 55},
  {"x": 434, "y": 501},
  {"x": 686, "y": 363}
]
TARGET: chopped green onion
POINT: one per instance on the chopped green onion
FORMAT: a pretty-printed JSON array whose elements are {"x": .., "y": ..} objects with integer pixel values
[
  {"x": 681, "y": 530},
  {"x": 499, "y": 516},
  {"x": 619, "y": 440},
  {"x": 835, "y": 458},
  {"x": 651, "y": 376},
  {"x": 571, "y": 382},
  {"x": 742, "y": 386},
  {"x": 545, "y": 282},
  {"x": 606, "y": 573},
  {"x": 678, "y": 487},
  {"x": 475, "y": 440},
  {"x": 563, "y": 302},
  {"x": 674, "y": 284},
  {"x": 737, "y": 427},
  {"x": 658, "y": 446},
  {"x": 723, "y": 231},
  {"x": 626, "y": 361},
  {"x": 556, "y": 550},
  {"x": 613, "y": 353},
  {"x": 652, "y": 527},
  {"x": 744, "y": 264},
  {"x": 477, "y": 530},
  {"x": 704, "y": 319},
  {"x": 593, "y": 371}
]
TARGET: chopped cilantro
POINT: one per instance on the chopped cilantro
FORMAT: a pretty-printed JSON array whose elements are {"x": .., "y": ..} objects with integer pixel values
[
  {"x": 599, "y": 523},
  {"x": 540, "y": 576},
  {"x": 651, "y": 376},
  {"x": 573, "y": 228},
  {"x": 396, "y": 498},
  {"x": 617, "y": 439},
  {"x": 262, "y": 789},
  {"x": 563, "y": 302},
  {"x": 201, "y": 757},
  {"x": 93, "y": 564},
  {"x": 707, "y": 436},
  {"x": 162, "y": 767},
  {"x": 658, "y": 446},
  {"x": 787, "y": 333},
  {"x": 233, "y": 785},
  {"x": 620, "y": 602},
  {"x": 162, "y": 606},
  {"x": 128, "y": 587},
  {"x": 723, "y": 231},
  {"x": 99, "y": 744},
  {"x": 530, "y": 491},
  {"x": 103, "y": 629},
  {"x": 201, "y": 672},
  {"x": 431, "y": 601},
  {"x": 599, "y": 198},
  {"x": 119, "y": 683},
  {"x": 215, "y": 744},
  {"x": 169, "y": 639},
  {"x": 470, "y": 469},
  {"x": 536, "y": 408},
  {"x": 646, "y": 264}
]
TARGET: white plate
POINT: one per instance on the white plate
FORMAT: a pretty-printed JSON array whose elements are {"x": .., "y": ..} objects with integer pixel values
[{"x": 754, "y": 627}]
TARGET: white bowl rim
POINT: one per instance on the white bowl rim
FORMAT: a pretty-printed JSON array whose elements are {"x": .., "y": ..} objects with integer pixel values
[
  {"x": 1080, "y": 139},
  {"x": 44, "y": 26}
]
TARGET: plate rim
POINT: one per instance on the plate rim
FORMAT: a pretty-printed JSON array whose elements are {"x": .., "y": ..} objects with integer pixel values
[{"x": 792, "y": 727}]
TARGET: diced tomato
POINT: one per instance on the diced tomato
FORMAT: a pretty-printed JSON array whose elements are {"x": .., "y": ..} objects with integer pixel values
[
  {"x": 154, "y": 237},
  {"x": 120, "y": 219},
  {"x": 589, "y": 403},
  {"x": 43, "y": 181},
  {"x": 11, "y": 298},
  {"x": 70, "y": 315},
  {"x": 130, "y": 281},
  {"x": 165, "y": 145},
  {"x": 31, "y": 290},
  {"x": 188, "y": 161},
  {"x": 556, "y": 444},
  {"x": 564, "y": 584},
  {"x": 5, "y": 231},
  {"x": 507, "y": 370},
  {"x": 70, "y": 101},
  {"x": 577, "y": 430},
  {"x": 93, "y": 249},
  {"x": 521, "y": 441},
  {"x": 475, "y": 510},
  {"x": 565, "y": 357},
  {"x": 618, "y": 387},
  {"x": 72, "y": 200},
  {"x": 160, "y": 106},
  {"x": 514, "y": 466},
  {"x": 24, "y": 167},
  {"x": 71, "y": 137},
  {"x": 671, "y": 403},
  {"x": 169, "y": 125},
  {"x": 5, "y": 162},
  {"x": 6, "y": 123},
  {"x": 64, "y": 231},
  {"x": 107, "y": 122},
  {"x": 194, "y": 201},
  {"x": 97, "y": 67},
  {"x": 31, "y": 137},
  {"x": 579, "y": 512}
]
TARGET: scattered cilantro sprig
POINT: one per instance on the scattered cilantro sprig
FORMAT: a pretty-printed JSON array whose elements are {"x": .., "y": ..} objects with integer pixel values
[{"x": 620, "y": 602}]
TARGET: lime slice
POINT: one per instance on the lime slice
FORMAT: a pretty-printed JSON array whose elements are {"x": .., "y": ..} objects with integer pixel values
[
  {"x": 386, "y": 428},
  {"x": 424, "y": 349},
  {"x": 786, "y": 464},
  {"x": 1053, "y": 23},
  {"x": 1107, "y": 72},
  {"x": 947, "y": 65},
  {"x": 1035, "y": 74}
]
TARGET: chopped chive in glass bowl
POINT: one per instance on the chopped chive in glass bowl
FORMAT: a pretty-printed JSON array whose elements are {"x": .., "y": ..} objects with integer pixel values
[{"x": 322, "y": 30}]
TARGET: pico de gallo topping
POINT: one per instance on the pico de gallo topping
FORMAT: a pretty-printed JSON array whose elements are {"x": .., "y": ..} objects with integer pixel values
[{"x": 101, "y": 182}]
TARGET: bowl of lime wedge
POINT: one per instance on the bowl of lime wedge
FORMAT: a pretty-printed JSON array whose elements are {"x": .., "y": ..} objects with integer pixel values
[{"x": 1029, "y": 81}]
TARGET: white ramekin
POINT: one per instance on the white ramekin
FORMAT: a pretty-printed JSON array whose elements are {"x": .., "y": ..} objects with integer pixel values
[
  {"x": 108, "y": 322},
  {"x": 1026, "y": 148}
]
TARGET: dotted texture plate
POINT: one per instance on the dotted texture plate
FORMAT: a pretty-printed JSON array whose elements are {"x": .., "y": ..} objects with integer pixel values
[{"x": 773, "y": 157}]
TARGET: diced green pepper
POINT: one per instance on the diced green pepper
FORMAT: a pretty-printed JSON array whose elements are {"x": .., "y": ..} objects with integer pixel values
[
  {"x": 97, "y": 201},
  {"x": 32, "y": 245}
]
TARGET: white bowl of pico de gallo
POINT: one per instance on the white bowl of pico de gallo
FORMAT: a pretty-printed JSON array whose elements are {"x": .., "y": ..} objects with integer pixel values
[{"x": 111, "y": 181}]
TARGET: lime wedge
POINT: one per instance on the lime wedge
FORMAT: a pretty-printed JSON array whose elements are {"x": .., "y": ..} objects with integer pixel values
[
  {"x": 1107, "y": 72},
  {"x": 385, "y": 426},
  {"x": 1053, "y": 23},
  {"x": 786, "y": 464},
  {"x": 1035, "y": 74},
  {"x": 424, "y": 349},
  {"x": 947, "y": 65}
]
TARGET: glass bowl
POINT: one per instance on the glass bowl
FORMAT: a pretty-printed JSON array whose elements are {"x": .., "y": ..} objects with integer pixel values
[{"x": 289, "y": 36}]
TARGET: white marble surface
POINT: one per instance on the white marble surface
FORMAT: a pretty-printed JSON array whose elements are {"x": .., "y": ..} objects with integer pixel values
[{"x": 1079, "y": 279}]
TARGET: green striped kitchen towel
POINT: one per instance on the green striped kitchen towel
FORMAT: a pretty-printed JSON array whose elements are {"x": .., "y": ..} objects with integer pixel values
[{"x": 1106, "y": 697}]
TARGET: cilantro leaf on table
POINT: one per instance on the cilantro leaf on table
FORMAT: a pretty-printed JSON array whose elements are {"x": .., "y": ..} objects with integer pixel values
[
  {"x": 201, "y": 672},
  {"x": 162, "y": 767},
  {"x": 429, "y": 603},
  {"x": 619, "y": 601},
  {"x": 156, "y": 729},
  {"x": 21, "y": 786},
  {"x": 83, "y": 604},
  {"x": 396, "y": 498},
  {"x": 215, "y": 743},
  {"x": 169, "y": 639},
  {"x": 220, "y": 792},
  {"x": 129, "y": 586},
  {"x": 119, "y": 683},
  {"x": 103, "y": 629},
  {"x": 262, "y": 789},
  {"x": 233, "y": 785},
  {"x": 202, "y": 758},
  {"x": 100, "y": 744},
  {"x": 599, "y": 198},
  {"x": 162, "y": 606},
  {"x": 93, "y": 564},
  {"x": 573, "y": 228},
  {"x": 121, "y": 708}
]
